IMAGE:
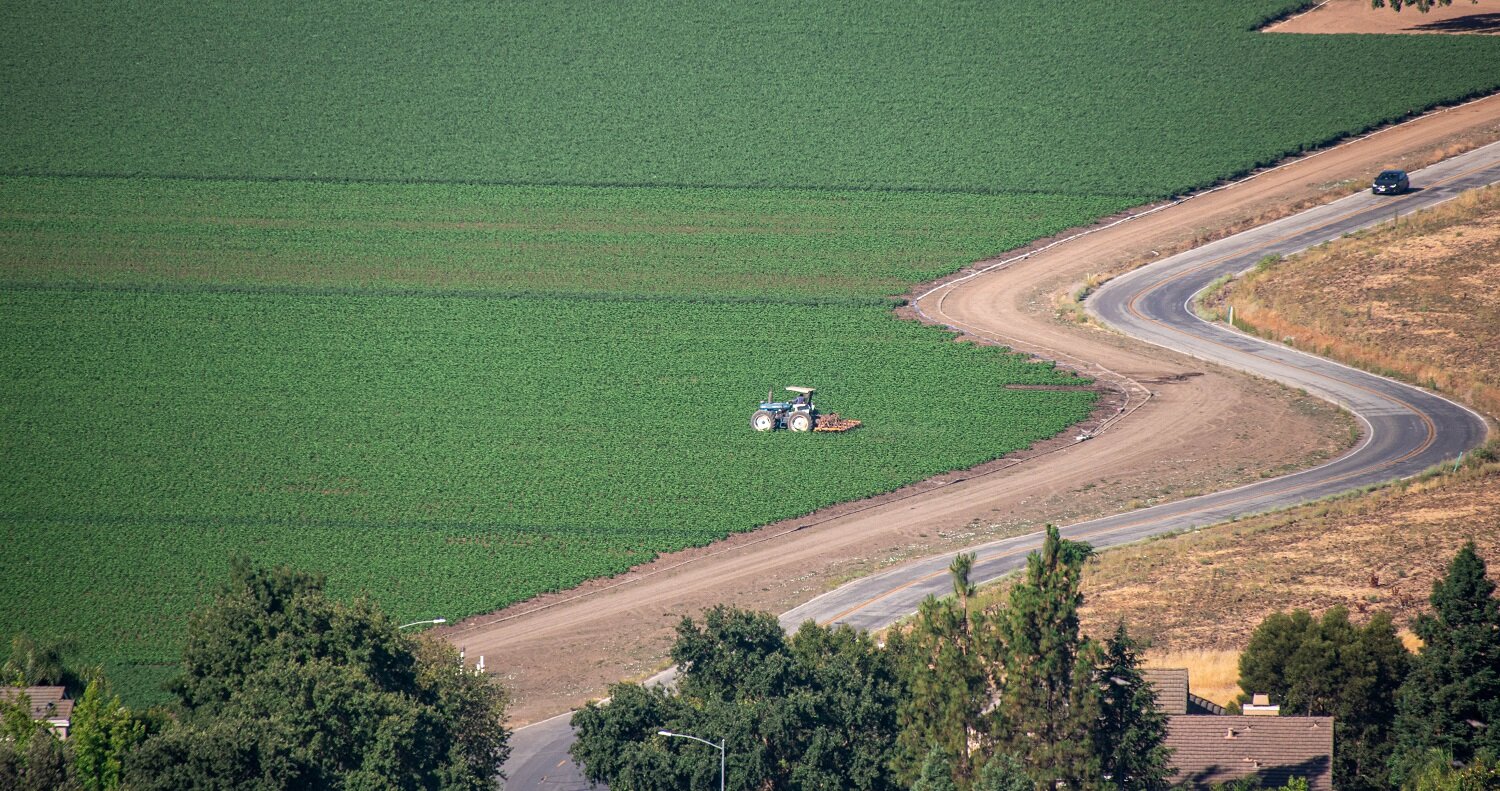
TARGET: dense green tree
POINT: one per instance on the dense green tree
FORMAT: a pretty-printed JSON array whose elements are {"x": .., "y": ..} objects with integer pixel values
[
  {"x": 1264, "y": 661},
  {"x": 1451, "y": 699},
  {"x": 816, "y": 710},
  {"x": 1002, "y": 772},
  {"x": 1439, "y": 772},
  {"x": 102, "y": 733},
  {"x": 937, "y": 772},
  {"x": 946, "y": 659},
  {"x": 283, "y": 687},
  {"x": 1130, "y": 737},
  {"x": 1048, "y": 705},
  {"x": 1330, "y": 667},
  {"x": 42, "y": 765}
]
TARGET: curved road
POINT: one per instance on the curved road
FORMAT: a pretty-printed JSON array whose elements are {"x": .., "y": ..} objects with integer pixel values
[{"x": 1407, "y": 429}]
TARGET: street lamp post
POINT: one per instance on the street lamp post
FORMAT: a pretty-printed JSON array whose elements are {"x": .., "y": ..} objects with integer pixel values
[
  {"x": 720, "y": 745},
  {"x": 419, "y": 623}
]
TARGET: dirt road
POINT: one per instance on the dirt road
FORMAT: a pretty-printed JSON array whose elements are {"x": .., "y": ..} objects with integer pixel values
[{"x": 1201, "y": 429}]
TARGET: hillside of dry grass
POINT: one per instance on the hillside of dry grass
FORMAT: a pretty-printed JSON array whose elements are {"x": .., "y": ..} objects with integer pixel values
[{"x": 1415, "y": 300}]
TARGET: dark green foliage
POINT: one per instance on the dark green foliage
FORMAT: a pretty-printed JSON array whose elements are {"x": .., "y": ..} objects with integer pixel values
[
  {"x": 813, "y": 711},
  {"x": 282, "y": 687},
  {"x": 946, "y": 660},
  {"x": 1450, "y": 702},
  {"x": 1049, "y": 706},
  {"x": 937, "y": 772},
  {"x": 1002, "y": 772},
  {"x": 1130, "y": 737},
  {"x": 1329, "y": 667},
  {"x": 41, "y": 763},
  {"x": 1439, "y": 772}
]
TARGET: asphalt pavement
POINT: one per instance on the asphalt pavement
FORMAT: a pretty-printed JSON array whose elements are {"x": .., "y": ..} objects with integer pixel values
[{"x": 1407, "y": 429}]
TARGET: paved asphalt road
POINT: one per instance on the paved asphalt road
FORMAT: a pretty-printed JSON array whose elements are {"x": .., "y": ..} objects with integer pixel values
[{"x": 1407, "y": 429}]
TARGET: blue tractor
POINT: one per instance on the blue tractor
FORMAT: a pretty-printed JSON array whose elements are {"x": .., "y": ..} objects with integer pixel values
[
  {"x": 798, "y": 414},
  {"x": 794, "y": 415}
]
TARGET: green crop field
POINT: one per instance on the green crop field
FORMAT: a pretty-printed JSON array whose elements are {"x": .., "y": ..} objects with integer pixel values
[
  {"x": 460, "y": 303},
  {"x": 1090, "y": 96},
  {"x": 456, "y": 397}
]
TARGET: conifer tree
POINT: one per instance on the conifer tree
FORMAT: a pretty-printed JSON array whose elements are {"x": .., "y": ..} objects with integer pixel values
[
  {"x": 1329, "y": 667},
  {"x": 944, "y": 662},
  {"x": 1048, "y": 702},
  {"x": 1002, "y": 772},
  {"x": 1130, "y": 738},
  {"x": 937, "y": 773},
  {"x": 1451, "y": 700}
]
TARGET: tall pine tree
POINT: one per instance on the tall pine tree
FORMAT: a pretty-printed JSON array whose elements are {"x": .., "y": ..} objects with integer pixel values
[
  {"x": 1048, "y": 702},
  {"x": 1451, "y": 700},
  {"x": 944, "y": 658},
  {"x": 1130, "y": 738}
]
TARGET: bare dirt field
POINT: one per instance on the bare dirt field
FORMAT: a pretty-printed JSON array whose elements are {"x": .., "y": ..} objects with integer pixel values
[
  {"x": 1358, "y": 16},
  {"x": 1200, "y": 429}
]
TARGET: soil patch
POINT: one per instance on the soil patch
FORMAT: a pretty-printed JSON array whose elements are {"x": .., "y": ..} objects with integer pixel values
[{"x": 1358, "y": 16}]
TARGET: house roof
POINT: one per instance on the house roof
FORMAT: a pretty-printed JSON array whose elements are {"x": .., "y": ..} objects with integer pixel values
[
  {"x": 47, "y": 703},
  {"x": 1212, "y": 750},
  {"x": 1171, "y": 688}
]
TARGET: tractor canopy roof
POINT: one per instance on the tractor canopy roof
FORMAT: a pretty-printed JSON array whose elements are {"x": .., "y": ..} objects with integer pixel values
[{"x": 803, "y": 390}]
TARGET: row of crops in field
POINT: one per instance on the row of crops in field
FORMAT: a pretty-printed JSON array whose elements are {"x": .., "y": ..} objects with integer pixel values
[
  {"x": 699, "y": 243},
  {"x": 451, "y": 455},
  {"x": 1090, "y": 97}
]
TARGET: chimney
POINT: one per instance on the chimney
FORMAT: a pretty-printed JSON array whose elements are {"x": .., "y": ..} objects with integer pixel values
[{"x": 1260, "y": 706}]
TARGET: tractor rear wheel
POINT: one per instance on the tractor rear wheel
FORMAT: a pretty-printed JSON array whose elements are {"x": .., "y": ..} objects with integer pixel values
[
  {"x": 800, "y": 421},
  {"x": 762, "y": 421}
]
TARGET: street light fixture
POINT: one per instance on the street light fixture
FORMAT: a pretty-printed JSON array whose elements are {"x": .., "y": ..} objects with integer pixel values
[
  {"x": 720, "y": 745},
  {"x": 419, "y": 623}
]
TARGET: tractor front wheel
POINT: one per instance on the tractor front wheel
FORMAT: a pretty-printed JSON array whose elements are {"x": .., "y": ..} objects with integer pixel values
[
  {"x": 762, "y": 421},
  {"x": 800, "y": 421}
]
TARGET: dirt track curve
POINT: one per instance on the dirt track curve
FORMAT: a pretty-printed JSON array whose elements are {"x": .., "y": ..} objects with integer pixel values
[{"x": 561, "y": 650}]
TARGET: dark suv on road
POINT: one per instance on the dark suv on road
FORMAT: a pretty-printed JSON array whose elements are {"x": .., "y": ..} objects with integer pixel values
[{"x": 1391, "y": 182}]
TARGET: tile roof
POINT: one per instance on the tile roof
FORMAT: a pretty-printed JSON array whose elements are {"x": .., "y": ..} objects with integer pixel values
[
  {"x": 1171, "y": 688},
  {"x": 47, "y": 703},
  {"x": 1212, "y": 750}
]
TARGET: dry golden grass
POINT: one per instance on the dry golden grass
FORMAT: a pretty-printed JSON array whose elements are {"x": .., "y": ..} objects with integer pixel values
[
  {"x": 1206, "y": 591},
  {"x": 1212, "y": 674},
  {"x": 1415, "y": 300}
]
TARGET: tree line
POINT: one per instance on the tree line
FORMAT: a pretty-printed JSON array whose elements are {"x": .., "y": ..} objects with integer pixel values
[
  {"x": 280, "y": 687},
  {"x": 1017, "y": 698},
  {"x": 283, "y": 687}
]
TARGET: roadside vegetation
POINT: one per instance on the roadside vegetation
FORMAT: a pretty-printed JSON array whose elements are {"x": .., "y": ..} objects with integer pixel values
[
  {"x": 982, "y": 694},
  {"x": 466, "y": 305}
]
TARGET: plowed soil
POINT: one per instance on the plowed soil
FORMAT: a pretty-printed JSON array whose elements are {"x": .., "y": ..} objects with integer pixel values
[
  {"x": 1199, "y": 429},
  {"x": 1358, "y": 16}
]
